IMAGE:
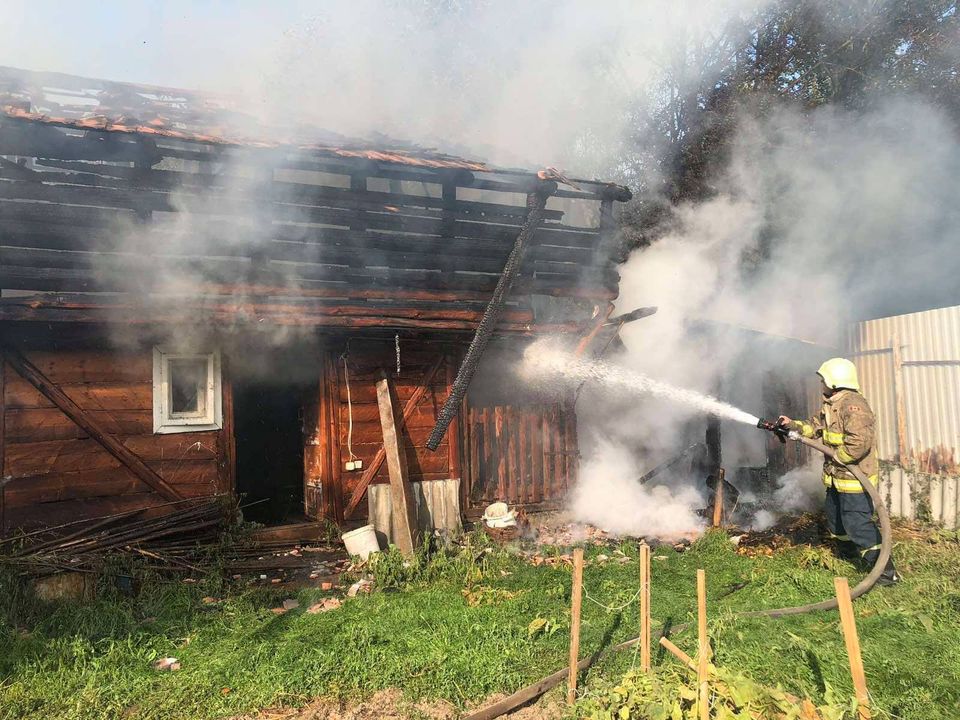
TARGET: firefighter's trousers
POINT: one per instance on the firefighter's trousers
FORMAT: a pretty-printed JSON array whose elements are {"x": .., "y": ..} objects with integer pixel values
[{"x": 850, "y": 520}]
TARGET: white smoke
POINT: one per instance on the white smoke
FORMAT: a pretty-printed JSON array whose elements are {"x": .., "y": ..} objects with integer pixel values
[
  {"x": 822, "y": 217},
  {"x": 609, "y": 496},
  {"x": 798, "y": 491}
]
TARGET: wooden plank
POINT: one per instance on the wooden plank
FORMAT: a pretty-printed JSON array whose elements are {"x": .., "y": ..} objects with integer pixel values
[
  {"x": 20, "y": 393},
  {"x": 453, "y": 432},
  {"x": 644, "y": 607},
  {"x": 226, "y": 439},
  {"x": 489, "y": 450},
  {"x": 404, "y": 388},
  {"x": 513, "y": 470},
  {"x": 573, "y": 446},
  {"x": 474, "y": 469},
  {"x": 332, "y": 437},
  {"x": 377, "y": 461},
  {"x": 53, "y": 456},
  {"x": 678, "y": 653},
  {"x": 314, "y": 499},
  {"x": 90, "y": 425},
  {"x": 558, "y": 481},
  {"x": 703, "y": 648},
  {"x": 576, "y": 599},
  {"x": 51, "y": 514},
  {"x": 523, "y": 459},
  {"x": 191, "y": 479},
  {"x": 35, "y": 425},
  {"x": 547, "y": 438},
  {"x": 852, "y": 641},
  {"x": 501, "y": 452},
  {"x": 536, "y": 455},
  {"x": 401, "y": 492},
  {"x": 93, "y": 366}
]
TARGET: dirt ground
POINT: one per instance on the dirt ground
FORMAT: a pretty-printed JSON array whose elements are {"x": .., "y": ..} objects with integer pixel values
[{"x": 390, "y": 705}]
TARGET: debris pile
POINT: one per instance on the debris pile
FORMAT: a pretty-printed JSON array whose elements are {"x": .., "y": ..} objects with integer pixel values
[{"x": 173, "y": 541}]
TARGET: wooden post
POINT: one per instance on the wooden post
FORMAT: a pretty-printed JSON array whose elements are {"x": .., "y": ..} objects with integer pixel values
[
  {"x": 903, "y": 452},
  {"x": 401, "y": 492},
  {"x": 852, "y": 641},
  {"x": 718, "y": 499},
  {"x": 576, "y": 600},
  {"x": 644, "y": 607},
  {"x": 703, "y": 647}
]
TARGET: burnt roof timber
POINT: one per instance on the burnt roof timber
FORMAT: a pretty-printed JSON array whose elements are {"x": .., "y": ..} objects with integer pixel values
[{"x": 32, "y": 141}]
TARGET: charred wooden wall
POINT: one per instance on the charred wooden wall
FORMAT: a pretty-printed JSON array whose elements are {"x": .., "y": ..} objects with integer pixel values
[{"x": 57, "y": 473}]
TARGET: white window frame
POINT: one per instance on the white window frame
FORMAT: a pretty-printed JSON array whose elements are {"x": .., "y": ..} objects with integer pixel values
[{"x": 163, "y": 421}]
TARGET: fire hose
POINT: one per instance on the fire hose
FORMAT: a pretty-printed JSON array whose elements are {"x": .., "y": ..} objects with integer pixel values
[{"x": 528, "y": 693}]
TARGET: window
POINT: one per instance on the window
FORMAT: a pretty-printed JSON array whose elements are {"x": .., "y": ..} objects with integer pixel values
[{"x": 186, "y": 392}]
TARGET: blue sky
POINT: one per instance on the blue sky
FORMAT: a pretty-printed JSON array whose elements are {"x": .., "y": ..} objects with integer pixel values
[{"x": 173, "y": 42}]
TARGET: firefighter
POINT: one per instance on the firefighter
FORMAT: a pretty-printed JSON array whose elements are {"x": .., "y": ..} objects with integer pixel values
[{"x": 846, "y": 423}]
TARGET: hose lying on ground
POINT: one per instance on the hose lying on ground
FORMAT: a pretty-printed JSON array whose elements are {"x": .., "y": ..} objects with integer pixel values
[{"x": 528, "y": 693}]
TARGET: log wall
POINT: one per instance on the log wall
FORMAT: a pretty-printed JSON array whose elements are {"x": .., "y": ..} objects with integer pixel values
[{"x": 57, "y": 473}]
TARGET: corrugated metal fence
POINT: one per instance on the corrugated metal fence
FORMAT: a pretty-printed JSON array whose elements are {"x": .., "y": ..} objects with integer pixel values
[{"x": 909, "y": 368}]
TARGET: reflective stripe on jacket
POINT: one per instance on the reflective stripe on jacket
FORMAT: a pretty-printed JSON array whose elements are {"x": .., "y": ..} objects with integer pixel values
[{"x": 846, "y": 423}]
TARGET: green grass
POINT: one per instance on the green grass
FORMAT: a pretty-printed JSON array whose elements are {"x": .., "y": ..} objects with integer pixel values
[{"x": 420, "y": 633}]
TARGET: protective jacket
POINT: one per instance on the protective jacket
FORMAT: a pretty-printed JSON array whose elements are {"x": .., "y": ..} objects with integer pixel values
[{"x": 847, "y": 424}]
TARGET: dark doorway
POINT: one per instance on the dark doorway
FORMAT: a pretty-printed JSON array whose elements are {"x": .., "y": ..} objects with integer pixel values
[{"x": 268, "y": 423}]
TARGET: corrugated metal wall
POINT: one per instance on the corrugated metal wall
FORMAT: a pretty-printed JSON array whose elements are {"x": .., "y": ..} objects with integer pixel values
[{"x": 909, "y": 368}]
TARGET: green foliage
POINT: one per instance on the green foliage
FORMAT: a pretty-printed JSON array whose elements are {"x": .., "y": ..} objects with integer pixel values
[
  {"x": 419, "y": 631},
  {"x": 665, "y": 696}
]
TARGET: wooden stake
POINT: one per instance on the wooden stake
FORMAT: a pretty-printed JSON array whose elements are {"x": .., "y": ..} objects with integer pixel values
[
  {"x": 718, "y": 499},
  {"x": 401, "y": 492},
  {"x": 680, "y": 655},
  {"x": 644, "y": 607},
  {"x": 576, "y": 600},
  {"x": 703, "y": 646},
  {"x": 852, "y": 641}
]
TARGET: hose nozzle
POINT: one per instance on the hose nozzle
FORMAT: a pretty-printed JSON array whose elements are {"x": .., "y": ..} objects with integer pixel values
[{"x": 776, "y": 427}]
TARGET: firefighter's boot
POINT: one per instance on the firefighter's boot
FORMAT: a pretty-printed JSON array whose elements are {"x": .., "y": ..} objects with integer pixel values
[{"x": 890, "y": 576}]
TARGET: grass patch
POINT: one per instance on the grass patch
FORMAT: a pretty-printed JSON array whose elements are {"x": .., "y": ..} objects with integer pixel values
[{"x": 460, "y": 626}]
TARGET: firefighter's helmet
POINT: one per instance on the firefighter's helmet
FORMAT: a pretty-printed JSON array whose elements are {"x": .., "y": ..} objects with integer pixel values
[{"x": 839, "y": 373}]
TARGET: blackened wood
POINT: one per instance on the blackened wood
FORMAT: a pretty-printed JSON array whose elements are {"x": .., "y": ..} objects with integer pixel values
[
  {"x": 401, "y": 492},
  {"x": 535, "y": 205},
  {"x": 91, "y": 426}
]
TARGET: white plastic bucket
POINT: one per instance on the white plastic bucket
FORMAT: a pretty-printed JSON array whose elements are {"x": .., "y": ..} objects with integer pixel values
[{"x": 361, "y": 541}]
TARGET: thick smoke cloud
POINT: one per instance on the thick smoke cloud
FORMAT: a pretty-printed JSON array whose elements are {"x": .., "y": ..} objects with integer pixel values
[{"x": 821, "y": 218}]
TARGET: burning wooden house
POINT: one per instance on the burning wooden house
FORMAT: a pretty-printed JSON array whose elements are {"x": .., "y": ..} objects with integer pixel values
[{"x": 189, "y": 309}]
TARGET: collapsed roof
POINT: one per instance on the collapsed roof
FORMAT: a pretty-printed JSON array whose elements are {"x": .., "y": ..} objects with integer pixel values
[{"x": 145, "y": 192}]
